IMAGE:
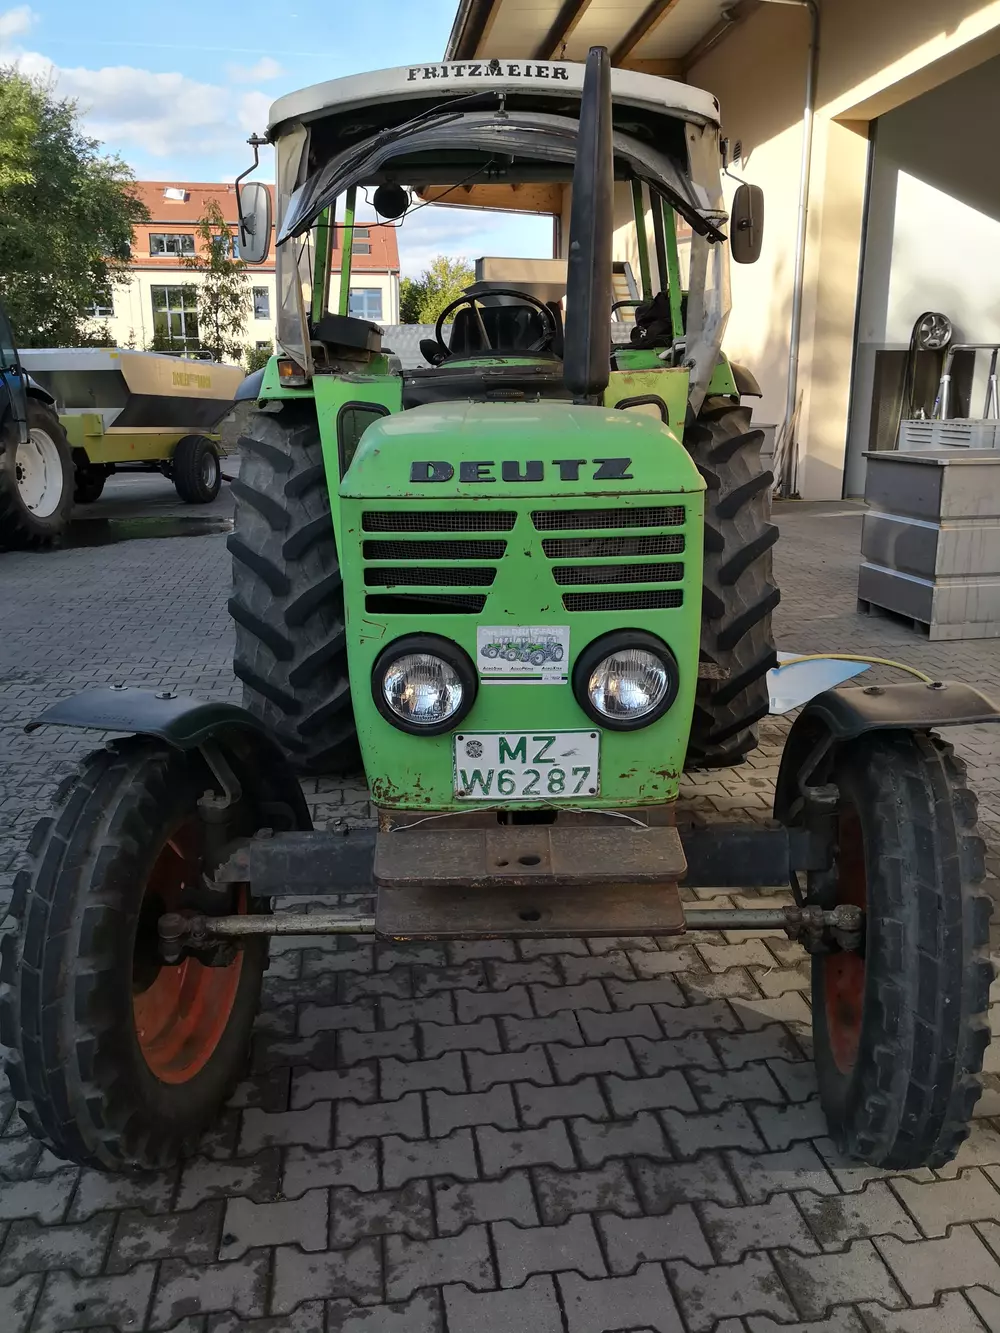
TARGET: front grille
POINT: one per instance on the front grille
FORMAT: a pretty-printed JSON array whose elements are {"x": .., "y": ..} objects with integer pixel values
[
  {"x": 584, "y": 548},
  {"x": 658, "y": 573},
  {"x": 424, "y": 603},
  {"x": 432, "y": 550},
  {"x": 418, "y": 520},
  {"x": 650, "y": 516},
  {"x": 473, "y": 576},
  {"x": 651, "y": 600}
]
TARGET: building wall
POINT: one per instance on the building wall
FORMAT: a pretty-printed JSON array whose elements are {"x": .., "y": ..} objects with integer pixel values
[{"x": 873, "y": 59}]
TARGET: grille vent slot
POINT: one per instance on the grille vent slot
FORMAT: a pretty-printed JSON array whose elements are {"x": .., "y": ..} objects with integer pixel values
[
  {"x": 419, "y": 520},
  {"x": 432, "y": 550},
  {"x": 472, "y": 576},
  {"x": 588, "y": 574},
  {"x": 425, "y": 603},
  {"x": 590, "y": 548},
  {"x": 648, "y": 600},
  {"x": 649, "y": 516}
]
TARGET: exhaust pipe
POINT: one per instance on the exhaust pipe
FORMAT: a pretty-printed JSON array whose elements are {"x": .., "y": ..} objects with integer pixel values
[{"x": 587, "y": 352}]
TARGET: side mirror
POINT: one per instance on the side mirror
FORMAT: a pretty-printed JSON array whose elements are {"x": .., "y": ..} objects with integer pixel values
[
  {"x": 254, "y": 201},
  {"x": 746, "y": 224}
]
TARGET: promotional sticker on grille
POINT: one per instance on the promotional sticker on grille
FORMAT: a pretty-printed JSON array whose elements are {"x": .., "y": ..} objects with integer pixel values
[{"x": 510, "y": 654}]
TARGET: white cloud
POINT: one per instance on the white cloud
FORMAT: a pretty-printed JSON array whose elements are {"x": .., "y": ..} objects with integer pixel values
[
  {"x": 469, "y": 234},
  {"x": 261, "y": 72},
  {"x": 15, "y": 23}
]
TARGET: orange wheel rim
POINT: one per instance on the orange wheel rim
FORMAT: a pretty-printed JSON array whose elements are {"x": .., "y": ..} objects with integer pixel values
[
  {"x": 182, "y": 1013},
  {"x": 844, "y": 973}
]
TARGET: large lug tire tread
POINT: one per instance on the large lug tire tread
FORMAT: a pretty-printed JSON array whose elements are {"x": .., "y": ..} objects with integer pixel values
[
  {"x": 739, "y": 594},
  {"x": 19, "y": 528},
  {"x": 187, "y": 467},
  {"x": 80, "y": 1082},
  {"x": 288, "y": 599},
  {"x": 909, "y": 1098}
]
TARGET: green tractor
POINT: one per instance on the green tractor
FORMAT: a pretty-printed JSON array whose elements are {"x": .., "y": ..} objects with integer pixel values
[{"x": 532, "y": 477}]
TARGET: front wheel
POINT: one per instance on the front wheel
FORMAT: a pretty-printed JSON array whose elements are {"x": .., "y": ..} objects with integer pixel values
[
  {"x": 900, "y": 1025},
  {"x": 36, "y": 480},
  {"x": 196, "y": 470},
  {"x": 118, "y": 1060}
]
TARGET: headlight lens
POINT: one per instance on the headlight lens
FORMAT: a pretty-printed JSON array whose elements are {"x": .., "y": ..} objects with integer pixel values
[
  {"x": 422, "y": 689},
  {"x": 628, "y": 684}
]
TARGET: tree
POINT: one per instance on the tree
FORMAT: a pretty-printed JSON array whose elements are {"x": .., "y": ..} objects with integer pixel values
[
  {"x": 67, "y": 215},
  {"x": 224, "y": 291},
  {"x": 422, "y": 299},
  {"x": 256, "y": 358}
]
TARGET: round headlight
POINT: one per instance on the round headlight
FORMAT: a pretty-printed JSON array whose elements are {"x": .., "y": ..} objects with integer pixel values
[
  {"x": 424, "y": 684},
  {"x": 626, "y": 680}
]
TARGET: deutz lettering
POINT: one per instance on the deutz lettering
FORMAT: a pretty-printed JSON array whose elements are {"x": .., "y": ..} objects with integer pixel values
[{"x": 532, "y": 469}]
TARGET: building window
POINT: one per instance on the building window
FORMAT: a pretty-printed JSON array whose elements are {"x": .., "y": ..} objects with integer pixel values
[
  {"x": 229, "y": 245},
  {"x": 366, "y": 303},
  {"x": 261, "y": 303},
  {"x": 103, "y": 308},
  {"x": 361, "y": 244},
  {"x": 171, "y": 242},
  {"x": 175, "y": 314}
]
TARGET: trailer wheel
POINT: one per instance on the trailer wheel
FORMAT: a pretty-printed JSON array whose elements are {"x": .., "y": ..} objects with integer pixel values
[
  {"x": 288, "y": 598},
  {"x": 36, "y": 480},
  {"x": 196, "y": 470},
  {"x": 900, "y": 1026},
  {"x": 117, "y": 1060},
  {"x": 738, "y": 594},
  {"x": 89, "y": 484}
]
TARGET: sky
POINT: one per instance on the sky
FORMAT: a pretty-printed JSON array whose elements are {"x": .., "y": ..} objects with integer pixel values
[{"x": 175, "y": 89}]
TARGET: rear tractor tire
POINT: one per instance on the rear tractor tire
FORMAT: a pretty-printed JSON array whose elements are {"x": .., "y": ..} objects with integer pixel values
[
  {"x": 900, "y": 1025},
  {"x": 196, "y": 470},
  {"x": 116, "y": 1059},
  {"x": 288, "y": 597},
  {"x": 738, "y": 593},
  {"x": 36, "y": 480}
]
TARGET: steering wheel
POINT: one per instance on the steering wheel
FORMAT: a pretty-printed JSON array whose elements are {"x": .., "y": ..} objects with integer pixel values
[{"x": 475, "y": 301}]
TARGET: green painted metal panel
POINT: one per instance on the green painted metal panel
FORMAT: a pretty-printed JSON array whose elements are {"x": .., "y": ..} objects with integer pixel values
[
  {"x": 673, "y": 270},
  {"x": 664, "y": 381}
]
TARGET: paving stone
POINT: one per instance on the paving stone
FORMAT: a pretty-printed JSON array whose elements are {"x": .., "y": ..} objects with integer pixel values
[
  {"x": 307, "y": 1318},
  {"x": 471, "y": 1005},
  {"x": 851, "y": 1175},
  {"x": 410, "y": 1264},
  {"x": 501, "y": 1150},
  {"x": 840, "y": 1321},
  {"x": 581, "y": 1098},
  {"x": 751, "y": 1083},
  {"x": 986, "y": 1304},
  {"x": 782, "y": 1125},
  {"x": 354, "y": 1216},
  {"x": 185, "y": 1289},
  {"x": 662, "y": 1185},
  {"x": 305, "y": 1169},
  {"x": 981, "y": 1148},
  {"x": 462, "y": 976},
  {"x": 798, "y": 1078},
  {"x": 522, "y": 1251},
  {"x": 614, "y": 1057},
  {"x": 70, "y": 1302},
  {"x": 309, "y": 1128},
  {"x": 319, "y": 1085},
  {"x": 302, "y": 1221},
  {"x": 789, "y": 1008},
  {"x": 937, "y": 1205},
  {"x": 45, "y": 1199},
  {"x": 638, "y": 1021},
  {"x": 681, "y": 1053},
  {"x": 630, "y": 1241},
  {"x": 576, "y": 970},
  {"x": 397, "y": 983},
  {"x": 774, "y": 981},
  {"x": 838, "y": 1218},
  {"x": 537, "y": 971},
  {"x": 540, "y": 946},
  {"x": 462, "y": 951},
  {"x": 605, "y": 1305},
  {"x": 317, "y": 962},
  {"x": 357, "y": 1046},
  {"x": 656, "y": 990},
  {"x": 29, "y": 1248},
  {"x": 192, "y": 1235},
  {"x": 485, "y": 1070},
  {"x": 722, "y": 957},
  {"x": 445, "y": 1111},
  {"x": 423, "y": 953},
  {"x": 588, "y": 995},
  {"x": 708, "y": 1294},
  {"x": 678, "y": 958},
  {"x": 421, "y": 1314},
  {"x": 604, "y": 1189},
  {"x": 315, "y": 1018},
  {"x": 508, "y": 1199},
  {"x": 18, "y": 1157},
  {"x": 734, "y": 1231},
  {"x": 17, "y": 1302},
  {"x": 532, "y": 1307},
  {"x": 479, "y": 1036},
  {"x": 362, "y": 1120},
  {"x": 707, "y": 1016},
  {"x": 519, "y": 1033},
  {"x": 272, "y": 1052},
  {"x": 354, "y": 1273},
  {"x": 926, "y": 1267},
  {"x": 268, "y": 1091},
  {"x": 428, "y": 1009},
  {"x": 729, "y": 1128},
  {"x": 855, "y": 1274},
  {"x": 798, "y": 1168},
  {"x": 399, "y": 1076},
  {"x": 952, "y": 1315},
  {"x": 257, "y": 1177},
  {"x": 629, "y": 1095},
  {"x": 451, "y": 1155},
  {"x": 742, "y": 1048},
  {"x": 622, "y": 1138},
  {"x": 736, "y": 984}
]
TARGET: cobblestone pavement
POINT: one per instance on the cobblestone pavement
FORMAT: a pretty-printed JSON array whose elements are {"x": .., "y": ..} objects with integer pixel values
[{"x": 549, "y": 1136}]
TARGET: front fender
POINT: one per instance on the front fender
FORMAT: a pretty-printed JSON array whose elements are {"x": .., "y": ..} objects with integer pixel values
[
  {"x": 188, "y": 724},
  {"x": 841, "y": 714}
]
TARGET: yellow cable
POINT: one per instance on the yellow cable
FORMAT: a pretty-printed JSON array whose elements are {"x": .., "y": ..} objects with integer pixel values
[{"x": 852, "y": 657}]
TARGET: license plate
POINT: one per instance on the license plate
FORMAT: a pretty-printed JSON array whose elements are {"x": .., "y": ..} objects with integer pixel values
[{"x": 526, "y": 766}]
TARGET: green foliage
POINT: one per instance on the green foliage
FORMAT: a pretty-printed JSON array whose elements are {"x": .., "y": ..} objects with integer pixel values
[
  {"x": 224, "y": 291},
  {"x": 422, "y": 299},
  {"x": 161, "y": 340},
  {"x": 67, "y": 214},
  {"x": 257, "y": 358}
]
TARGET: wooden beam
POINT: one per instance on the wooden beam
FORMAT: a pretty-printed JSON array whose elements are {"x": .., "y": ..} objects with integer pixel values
[
  {"x": 737, "y": 15},
  {"x": 570, "y": 14},
  {"x": 650, "y": 18}
]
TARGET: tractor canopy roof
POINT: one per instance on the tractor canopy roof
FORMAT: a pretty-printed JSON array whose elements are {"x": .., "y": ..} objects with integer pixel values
[{"x": 429, "y": 127}]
